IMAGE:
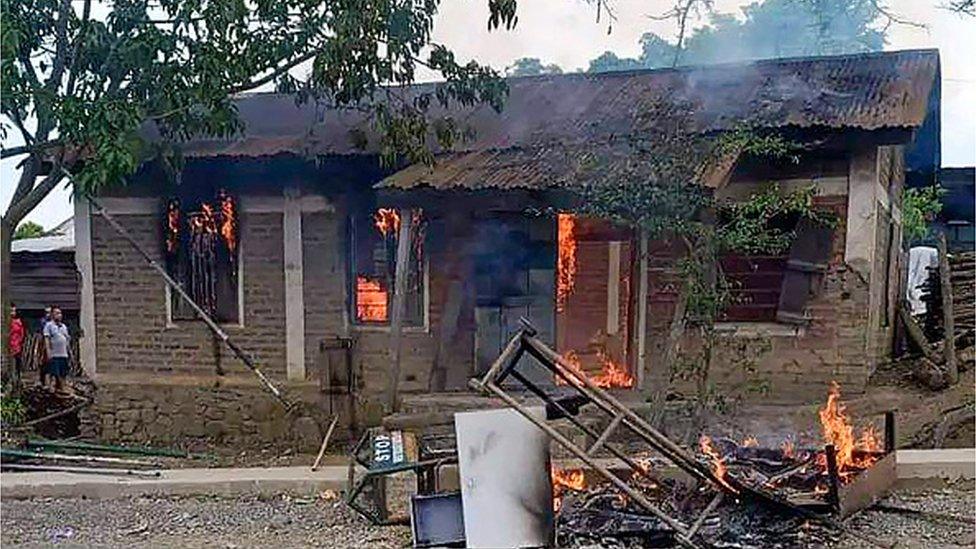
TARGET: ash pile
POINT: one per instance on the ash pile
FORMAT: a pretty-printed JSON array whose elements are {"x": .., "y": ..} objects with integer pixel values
[{"x": 601, "y": 516}]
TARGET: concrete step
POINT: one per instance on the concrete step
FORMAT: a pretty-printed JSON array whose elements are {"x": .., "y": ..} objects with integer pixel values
[
  {"x": 176, "y": 482},
  {"x": 950, "y": 464}
]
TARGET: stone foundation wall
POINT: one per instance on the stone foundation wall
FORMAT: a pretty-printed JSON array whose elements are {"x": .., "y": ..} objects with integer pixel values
[{"x": 196, "y": 411}]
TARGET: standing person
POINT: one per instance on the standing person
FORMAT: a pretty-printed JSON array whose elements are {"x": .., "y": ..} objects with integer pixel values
[
  {"x": 58, "y": 343},
  {"x": 16, "y": 342},
  {"x": 45, "y": 357}
]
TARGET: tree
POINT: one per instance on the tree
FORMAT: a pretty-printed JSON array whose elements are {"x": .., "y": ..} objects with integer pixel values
[
  {"x": 653, "y": 183},
  {"x": 80, "y": 78},
  {"x": 773, "y": 28},
  {"x": 965, "y": 7},
  {"x": 531, "y": 66},
  {"x": 28, "y": 229},
  {"x": 919, "y": 208}
]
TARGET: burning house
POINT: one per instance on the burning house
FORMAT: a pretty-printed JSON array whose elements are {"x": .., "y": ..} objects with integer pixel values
[{"x": 289, "y": 234}]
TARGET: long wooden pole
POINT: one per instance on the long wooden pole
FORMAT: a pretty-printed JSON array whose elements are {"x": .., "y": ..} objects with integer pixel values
[
  {"x": 214, "y": 327},
  {"x": 396, "y": 317},
  {"x": 948, "y": 320},
  {"x": 642, "y": 288}
]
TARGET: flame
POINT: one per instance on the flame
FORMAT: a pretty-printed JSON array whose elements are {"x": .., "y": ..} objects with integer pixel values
[
  {"x": 370, "y": 300},
  {"x": 788, "y": 448},
  {"x": 228, "y": 220},
  {"x": 718, "y": 461},
  {"x": 612, "y": 375},
  {"x": 838, "y": 431},
  {"x": 566, "y": 261},
  {"x": 750, "y": 442},
  {"x": 387, "y": 221},
  {"x": 172, "y": 226},
  {"x": 565, "y": 479}
]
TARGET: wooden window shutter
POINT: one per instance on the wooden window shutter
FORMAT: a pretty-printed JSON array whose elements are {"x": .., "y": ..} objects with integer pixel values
[{"x": 809, "y": 256}]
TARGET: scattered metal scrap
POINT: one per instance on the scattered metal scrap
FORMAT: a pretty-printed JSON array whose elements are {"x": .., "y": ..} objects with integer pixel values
[{"x": 381, "y": 455}]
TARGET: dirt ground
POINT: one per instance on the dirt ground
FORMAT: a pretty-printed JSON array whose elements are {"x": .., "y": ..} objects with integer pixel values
[{"x": 939, "y": 517}]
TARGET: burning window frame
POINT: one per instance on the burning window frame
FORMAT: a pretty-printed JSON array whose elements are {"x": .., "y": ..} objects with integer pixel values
[
  {"x": 616, "y": 370},
  {"x": 381, "y": 227},
  {"x": 215, "y": 285}
]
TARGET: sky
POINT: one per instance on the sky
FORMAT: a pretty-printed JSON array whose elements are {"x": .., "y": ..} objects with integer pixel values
[{"x": 566, "y": 32}]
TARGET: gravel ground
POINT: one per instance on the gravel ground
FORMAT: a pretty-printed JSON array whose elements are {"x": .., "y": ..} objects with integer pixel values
[
  {"x": 213, "y": 523},
  {"x": 945, "y": 520},
  {"x": 196, "y": 522}
]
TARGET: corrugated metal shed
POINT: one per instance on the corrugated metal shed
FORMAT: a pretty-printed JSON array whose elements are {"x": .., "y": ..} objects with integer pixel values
[
  {"x": 43, "y": 271},
  {"x": 865, "y": 91}
]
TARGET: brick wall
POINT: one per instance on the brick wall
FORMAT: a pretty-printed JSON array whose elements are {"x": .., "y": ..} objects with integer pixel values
[
  {"x": 843, "y": 341},
  {"x": 324, "y": 285},
  {"x": 130, "y": 302}
]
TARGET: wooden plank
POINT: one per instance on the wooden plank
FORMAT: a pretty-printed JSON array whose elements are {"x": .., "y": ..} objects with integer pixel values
[
  {"x": 396, "y": 319},
  {"x": 613, "y": 287},
  {"x": 642, "y": 285},
  {"x": 948, "y": 322}
]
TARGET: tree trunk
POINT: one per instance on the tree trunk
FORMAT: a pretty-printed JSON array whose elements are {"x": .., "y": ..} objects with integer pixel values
[
  {"x": 948, "y": 321},
  {"x": 6, "y": 235}
]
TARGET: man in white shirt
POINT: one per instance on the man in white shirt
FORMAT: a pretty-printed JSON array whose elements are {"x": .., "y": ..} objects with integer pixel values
[{"x": 58, "y": 343}]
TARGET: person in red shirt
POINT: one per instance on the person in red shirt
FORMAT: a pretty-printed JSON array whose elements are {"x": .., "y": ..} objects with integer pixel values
[{"x": 16, "y": 340}]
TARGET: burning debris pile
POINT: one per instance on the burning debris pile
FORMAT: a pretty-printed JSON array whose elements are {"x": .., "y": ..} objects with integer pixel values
[
  {"x": 598, "y": 514},
  {"x": 712, "y": 495},
  {"x": 591, "y": 510}
]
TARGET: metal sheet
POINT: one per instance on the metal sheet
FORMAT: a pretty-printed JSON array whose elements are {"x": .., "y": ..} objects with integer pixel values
[
  {"x": 866, "y": 91},
  {"x": 505, "y": 481},
  {"x": 869, "y": 486}
]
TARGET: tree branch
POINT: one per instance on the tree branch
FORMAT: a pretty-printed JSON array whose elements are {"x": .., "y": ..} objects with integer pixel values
[
  {"x": 60, "y": 60},
  {"x": 20, "y": 208},
  {"x": 247, "y": 86},
  {"x": 28, "y": 149},
  {"x": 73, "y": 69}
]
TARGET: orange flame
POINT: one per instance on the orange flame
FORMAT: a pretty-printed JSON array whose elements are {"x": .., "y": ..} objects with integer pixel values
[
  {"x": 370, "y": 300},
  {"x": 788, "y": 448},
  {"x": 172, "y": 226},
  {"x": 204, "y": 220},
  {"x": 838, "y": 431},
  {"x": 718, "y": 461},
  {"x": 566, "y": 262},
  {"x": 387, "y": 221},
  {"x": 228, "y": 219},
  {"x": 612, "y": 375},
  {"x": 565, "y": 479},
  {"x": 750, "y": 442}
]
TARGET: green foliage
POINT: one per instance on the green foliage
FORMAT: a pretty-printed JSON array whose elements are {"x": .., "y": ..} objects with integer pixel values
[
  {"x": 28, "y": 229},
  {"x": 919, "y": 206},
  {"x": 12, "y": 410},
  {"x": 92, "y": 77},
  {"x": 766, "y": 29},
  {"x": 531, "y": 66}
]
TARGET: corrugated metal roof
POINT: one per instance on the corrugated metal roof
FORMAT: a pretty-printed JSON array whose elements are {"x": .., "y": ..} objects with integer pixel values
[
  {"x": 537, "y": 168},
  {"x": 59, "y": 239},
  {"x": 864, "y": 91}
]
